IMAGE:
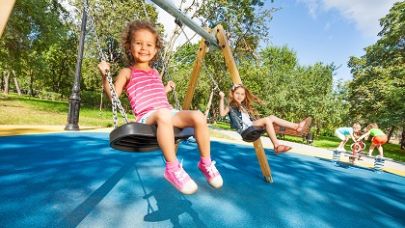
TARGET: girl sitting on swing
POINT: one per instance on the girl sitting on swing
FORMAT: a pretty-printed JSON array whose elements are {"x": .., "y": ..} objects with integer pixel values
[
  {"x": 241, "y": 112},
  {"x": 147, "y": 96}
]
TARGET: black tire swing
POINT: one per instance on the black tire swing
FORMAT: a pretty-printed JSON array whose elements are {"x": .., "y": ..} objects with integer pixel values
[
  {"x": 138, "y": 137},
  {"x": 252, "y": 133},
  {"x": 133, "y": 136}
]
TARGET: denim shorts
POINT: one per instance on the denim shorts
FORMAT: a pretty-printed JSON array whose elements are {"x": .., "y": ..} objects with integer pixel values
[{"x": 147, "y": 115}]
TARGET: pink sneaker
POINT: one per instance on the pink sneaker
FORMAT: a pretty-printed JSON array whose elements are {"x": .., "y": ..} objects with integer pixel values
[
  {"x": 211, "y": 174},
  {"x": 181, "y": 181}
]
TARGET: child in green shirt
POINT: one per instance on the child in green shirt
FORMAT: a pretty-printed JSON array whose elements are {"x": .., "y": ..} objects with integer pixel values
[{"x": 378, "y": 138}]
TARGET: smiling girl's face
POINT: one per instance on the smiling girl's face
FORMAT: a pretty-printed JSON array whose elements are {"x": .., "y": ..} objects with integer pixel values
[
  {"x": 239, "y": 95},
  {"x": 143, "y": 46}
]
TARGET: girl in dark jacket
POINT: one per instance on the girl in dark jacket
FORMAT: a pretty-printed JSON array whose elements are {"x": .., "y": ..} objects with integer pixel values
[{"x": 241, "y": 112}]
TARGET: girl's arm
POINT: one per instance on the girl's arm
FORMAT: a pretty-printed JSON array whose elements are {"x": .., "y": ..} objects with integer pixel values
[
  {"x": 223, "y": 111},
  {"x": 170, "y": 86},
  {"x": 352, "y": 136},
  {"x": 120, "y": 81},
  {"x": 363, "y": 136}
]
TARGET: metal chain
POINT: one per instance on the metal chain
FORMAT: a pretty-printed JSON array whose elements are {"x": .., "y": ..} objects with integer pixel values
[
  {"x": 116, "y": 103},
  {"x": 144, "y": 10},
  {"x": 210, "y": 75}
]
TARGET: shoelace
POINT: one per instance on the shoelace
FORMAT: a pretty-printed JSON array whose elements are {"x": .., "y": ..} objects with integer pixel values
[
  {"x": 211, "y": 169},
  {"x": 180, "y": 174}
]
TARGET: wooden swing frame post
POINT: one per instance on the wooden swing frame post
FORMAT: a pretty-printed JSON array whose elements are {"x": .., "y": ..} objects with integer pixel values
[
  {"x": 234, "y": 73},
  {"x": 5, "y": 11}
]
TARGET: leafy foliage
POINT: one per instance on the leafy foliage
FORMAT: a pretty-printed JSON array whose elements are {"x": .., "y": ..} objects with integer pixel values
[{"x": 378, "y": 87}]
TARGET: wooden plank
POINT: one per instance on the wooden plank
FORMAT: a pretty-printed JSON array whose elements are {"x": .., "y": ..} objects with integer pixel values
[
  {"x": 227, "y": 52},
  {"x": 264, "y": 164},
  {"x": 202, "y": 50},
  {"x": 234, "y": 73}
]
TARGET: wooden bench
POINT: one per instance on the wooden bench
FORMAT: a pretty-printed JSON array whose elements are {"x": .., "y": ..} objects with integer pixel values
[{"x": 305, "y": 134}]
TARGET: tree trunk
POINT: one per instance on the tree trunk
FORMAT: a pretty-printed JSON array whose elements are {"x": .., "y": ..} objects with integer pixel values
[
  {"x": 318, "y": 128},
  {"x": 403, "y": 139},
  {"x": 390, "y": 133},
  {"x": 16, "y": 83},
  {"x": 31, "y": 90},
  {"x": 6, "y": 75}
]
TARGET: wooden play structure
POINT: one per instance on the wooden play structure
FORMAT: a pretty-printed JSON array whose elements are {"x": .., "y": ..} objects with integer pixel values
[{"x": 223, "y": 44}]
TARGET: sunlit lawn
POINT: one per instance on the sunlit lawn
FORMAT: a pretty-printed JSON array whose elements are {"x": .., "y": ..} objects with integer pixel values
[{"x": 16, "y": 110}]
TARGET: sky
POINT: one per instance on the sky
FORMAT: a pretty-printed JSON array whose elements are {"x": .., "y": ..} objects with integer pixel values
[{"x": 327, "y": 31}]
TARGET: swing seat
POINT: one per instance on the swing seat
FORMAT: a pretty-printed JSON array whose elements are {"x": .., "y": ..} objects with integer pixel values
[
  {"x": 252, "y": 133},
  {"x": 138, "y": 137}
]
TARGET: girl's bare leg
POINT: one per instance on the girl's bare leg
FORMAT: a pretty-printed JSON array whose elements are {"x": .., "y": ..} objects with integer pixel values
[
  {"x": 174, "y": 173},
  {"x": 165, "y": 133},
  {"x": 342, "y": 144},
  {"x": 370, "y": 150},
  {"x": 283, "y": 123},
  {"x": 380, "y": 149},
  {"x": 196, "y": 120},
  {"x": 267, "y": 123}
]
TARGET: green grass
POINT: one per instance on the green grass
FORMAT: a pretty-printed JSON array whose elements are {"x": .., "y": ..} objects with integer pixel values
[
  {"x": 221, "y": 125},
  {"x": 22, "y": 110}
]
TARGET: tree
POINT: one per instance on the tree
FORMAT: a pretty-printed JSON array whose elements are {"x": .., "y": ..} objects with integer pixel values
[
  {"x": 377, "y": 89},
  {"x": 30, "y": 30}
]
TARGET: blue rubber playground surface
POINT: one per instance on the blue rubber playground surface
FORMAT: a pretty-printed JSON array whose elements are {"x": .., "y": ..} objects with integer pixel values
[{"x": 76, "y": 180}]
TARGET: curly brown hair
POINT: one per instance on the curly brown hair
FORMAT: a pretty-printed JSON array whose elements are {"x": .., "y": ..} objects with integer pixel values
[
  {"x": 130, "y": 29},
  {"x": 247, "y": 103}
]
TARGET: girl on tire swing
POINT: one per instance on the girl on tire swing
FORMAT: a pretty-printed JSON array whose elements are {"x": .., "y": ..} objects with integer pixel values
[{"x": 241, "y": 112}]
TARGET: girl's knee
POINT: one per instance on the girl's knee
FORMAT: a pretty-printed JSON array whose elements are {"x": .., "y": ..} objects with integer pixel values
[
  {"x": 270, "y": 119},
  {"x": 163, "y": 116},
  {"x": 198, "y": 117}
]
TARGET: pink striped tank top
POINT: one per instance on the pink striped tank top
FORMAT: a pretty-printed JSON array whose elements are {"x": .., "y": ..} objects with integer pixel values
[{"x": 146, "y": 92}]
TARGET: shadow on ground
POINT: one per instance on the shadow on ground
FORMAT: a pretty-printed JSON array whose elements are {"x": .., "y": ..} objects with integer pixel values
[{"x": 75, "y": 179}]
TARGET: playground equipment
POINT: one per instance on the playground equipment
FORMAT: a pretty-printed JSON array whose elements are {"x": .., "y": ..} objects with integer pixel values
[
  {"x": 138, "y": 137},
  {"x": 336, "y": 156},
  {"x": 356, "y": 147},
  {"x": 379, "y": 163}
]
